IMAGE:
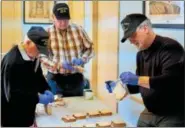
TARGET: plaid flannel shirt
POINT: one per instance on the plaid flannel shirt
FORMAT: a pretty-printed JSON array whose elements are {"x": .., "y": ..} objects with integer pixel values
[{"x": 65, "y": 45}]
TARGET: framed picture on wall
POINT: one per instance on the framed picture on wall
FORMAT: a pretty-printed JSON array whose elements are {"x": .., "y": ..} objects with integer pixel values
[
  {"x": 165, "y": 14},
  {"x": 37, "y": 12}
]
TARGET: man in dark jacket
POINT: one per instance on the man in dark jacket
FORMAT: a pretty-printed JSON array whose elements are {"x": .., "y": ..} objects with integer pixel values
[
  {"x": 22, "y": 82},
  {"x": 159, "y": 74}
]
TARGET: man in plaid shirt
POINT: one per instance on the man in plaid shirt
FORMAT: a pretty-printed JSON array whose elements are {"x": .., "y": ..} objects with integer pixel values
[{"x": 69, "y": 46}]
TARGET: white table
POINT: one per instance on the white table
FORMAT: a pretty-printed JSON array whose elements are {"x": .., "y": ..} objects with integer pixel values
[{"x": 74, "y": 105}]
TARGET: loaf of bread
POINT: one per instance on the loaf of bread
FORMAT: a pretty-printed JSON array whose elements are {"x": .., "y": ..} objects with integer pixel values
[
  {"x": 118, "y": 123},
  {"x": 163, "y": 8},
  {"x": 68, "y": 118},
  {"x": 103, "y": 124},
  {"x": 80, "y": 115},
  {"x": 105, "y": 112},
  {"x": 93, "y": 114}
]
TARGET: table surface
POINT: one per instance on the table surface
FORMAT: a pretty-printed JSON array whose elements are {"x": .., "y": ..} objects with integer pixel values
[{"x": 74, "y": 105}]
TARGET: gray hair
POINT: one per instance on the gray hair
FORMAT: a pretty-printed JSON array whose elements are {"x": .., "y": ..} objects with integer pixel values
[
  {"x": 147, "y": 23},
  {"x": 26, "y": 39}
]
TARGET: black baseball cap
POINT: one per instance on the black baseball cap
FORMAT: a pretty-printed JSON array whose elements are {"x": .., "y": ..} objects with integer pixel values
[
  {"x": 40, "y": 37},
  {"x": 61, "y": 11},
  {"x": 130, "y": 24}
]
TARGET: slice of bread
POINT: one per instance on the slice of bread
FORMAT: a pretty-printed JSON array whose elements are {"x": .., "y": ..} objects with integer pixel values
[
  {"x": 93, "y": 114},
  {"x": 90, "y": 125},
  {"x": 68, "y": 118},
  {"x": 80, "y": 115},
  {"x": 118, "y": 123},
  {"x": 60, "y": 103},
  {"x": 77, "y": 125},
  {"x": 103, "y": 124},
  {"x": 48, "y": 109},
  {"x": 105, "y": 112},
  {"x": 58, "y": 99}
]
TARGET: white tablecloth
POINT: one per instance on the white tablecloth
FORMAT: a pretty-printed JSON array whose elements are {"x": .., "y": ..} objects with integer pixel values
[{"x": 74, "y": 105}]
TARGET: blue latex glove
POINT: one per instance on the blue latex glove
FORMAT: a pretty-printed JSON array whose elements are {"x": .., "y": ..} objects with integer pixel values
[
  {"x": 77, "y": 61},
  {"x": 129, "y": 78},
  {"x": 67, "y": 66},
  {"x": 44, "y": 99},
  {"x": 50, "y": 94},
  {"x": 110, "y": 85}
]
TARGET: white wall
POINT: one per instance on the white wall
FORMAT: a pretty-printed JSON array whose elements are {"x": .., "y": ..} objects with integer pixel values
[{"x": 88, "y": 28}]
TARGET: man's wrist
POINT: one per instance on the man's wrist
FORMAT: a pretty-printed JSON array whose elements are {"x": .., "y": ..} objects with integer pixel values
[
  {"x": 144, "y": 81},
  {"x": 85, "y": 59}
]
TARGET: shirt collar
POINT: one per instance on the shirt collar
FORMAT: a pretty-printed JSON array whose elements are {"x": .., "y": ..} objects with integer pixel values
[
  {"x": 23, "y": 53},
  {"x": 66, "y": 30},
  {"x": 154, "y": 46}
]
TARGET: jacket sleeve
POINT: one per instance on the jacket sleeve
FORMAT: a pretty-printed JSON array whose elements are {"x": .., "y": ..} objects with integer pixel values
[
  {"x": 135, "y": 89},
  {"x": 12, "y": 85},
  {"x": 42, "y": 83},
  {"x": 88, "y": 50},
  {"x": 5, "y": 83},
  {"x": 47, "y": 62},
  {"x": 172, "y": 65}
]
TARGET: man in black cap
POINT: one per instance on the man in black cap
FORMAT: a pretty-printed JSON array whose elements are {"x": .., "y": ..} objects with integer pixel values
[
  {"x": 22, "y": 80},
  {"x": 70, "y": 46},
  {"x": 159, "y": 74}
]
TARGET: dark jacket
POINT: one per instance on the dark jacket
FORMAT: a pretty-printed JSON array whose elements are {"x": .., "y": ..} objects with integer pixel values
[
  {"x": 163, "y": 62},
  {"x": 20, "y": 85}
]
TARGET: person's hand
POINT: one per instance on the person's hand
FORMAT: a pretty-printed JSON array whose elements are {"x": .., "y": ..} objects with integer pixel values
[
  {"x": 110, "y": 85},
  {"x": 129, "y": 78},
  {"x": 67, "y": 66},
  {"x": 53, "y": 68},
  {"x": 78, "y": 61},
  {"x": 45, "y": 99},
  {"x": 50, "y": 94}
]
